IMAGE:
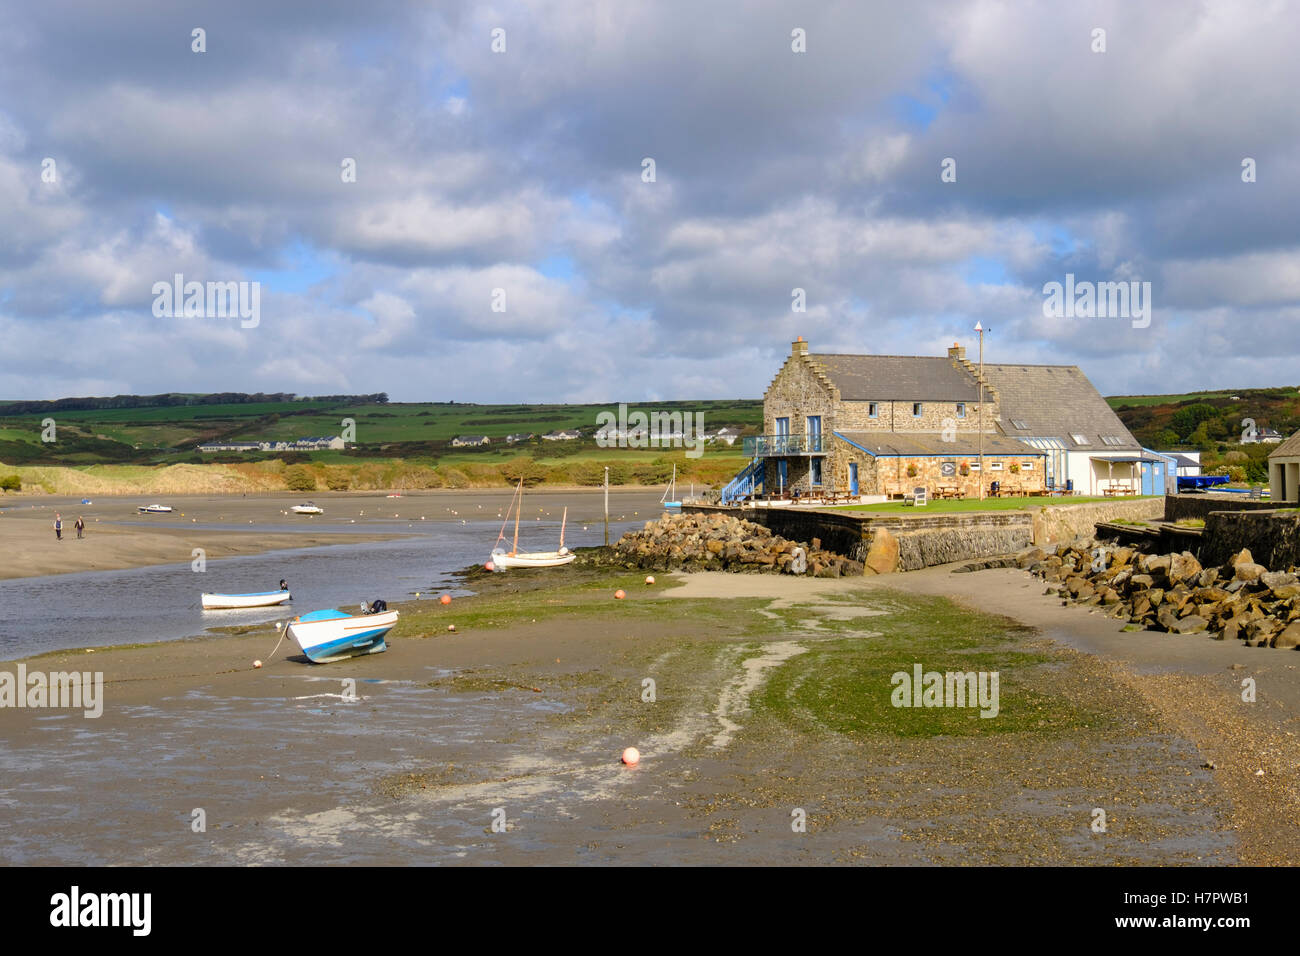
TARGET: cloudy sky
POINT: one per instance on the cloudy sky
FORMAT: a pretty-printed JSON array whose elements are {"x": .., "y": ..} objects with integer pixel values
[{"x": 523, "y": 171}]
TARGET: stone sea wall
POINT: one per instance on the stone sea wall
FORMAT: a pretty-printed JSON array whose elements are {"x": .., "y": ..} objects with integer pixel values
[
  {"x": 1192, "y": 506},
  {"x": 923, "y": 539},
  {"x": 1272, "y": 536}
]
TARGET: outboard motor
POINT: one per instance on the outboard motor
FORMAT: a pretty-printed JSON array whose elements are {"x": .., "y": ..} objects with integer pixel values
[{"x": 379, "y": 605}]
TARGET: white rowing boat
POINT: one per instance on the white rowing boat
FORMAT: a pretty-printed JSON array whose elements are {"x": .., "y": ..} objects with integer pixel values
[
  {"x": 307, "y": 508},
  {"x": 327, "y": 636},
  {"x": 214, "y": 602}
]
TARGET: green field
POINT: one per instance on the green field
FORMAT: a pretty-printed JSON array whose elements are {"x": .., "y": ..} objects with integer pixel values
[
  {"x": 1140, "y": 401},
  {"x": 415, "y": 431}
]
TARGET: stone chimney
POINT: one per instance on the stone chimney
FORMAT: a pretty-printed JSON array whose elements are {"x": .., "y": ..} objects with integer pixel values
[
  {"x": 957, "y": 351},
  {"x": 799, "y": 347}
]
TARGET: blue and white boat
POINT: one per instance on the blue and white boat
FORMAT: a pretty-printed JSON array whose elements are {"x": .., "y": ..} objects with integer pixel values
[
  {"x": 213, "y": 602},
  {"x": 326, "y": 636}
]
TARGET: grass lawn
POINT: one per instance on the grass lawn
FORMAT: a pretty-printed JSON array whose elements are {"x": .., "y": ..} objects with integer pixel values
[{"x": 974, "y": 504}]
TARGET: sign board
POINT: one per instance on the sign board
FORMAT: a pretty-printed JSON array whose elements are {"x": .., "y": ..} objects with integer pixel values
[
  {"x": 948, "y": 468},
  {"x": 918, "y": 497}
]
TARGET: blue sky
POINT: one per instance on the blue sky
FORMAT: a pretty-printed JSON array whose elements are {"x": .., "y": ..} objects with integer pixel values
[{"x": 520, "y": 173}]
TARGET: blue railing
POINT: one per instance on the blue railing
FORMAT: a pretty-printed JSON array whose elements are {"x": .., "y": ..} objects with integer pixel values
[
  {"x": 769, "y": 446},
  {"x": 743, "y": 485}
]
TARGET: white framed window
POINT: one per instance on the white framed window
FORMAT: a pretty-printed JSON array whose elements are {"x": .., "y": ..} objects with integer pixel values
[
  {"x": 995, "y": 466},
  {"x": 1080, "y": 439},
  {"x": 1026, "y": 466},
  {"x": 961, "y": 409},
  {"x": 974, "y": 466},
  {"x": 917, "y": 408},
  {"x": 873, "y": 410}
]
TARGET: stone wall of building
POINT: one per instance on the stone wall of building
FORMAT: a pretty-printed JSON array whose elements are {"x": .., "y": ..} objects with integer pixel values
[
  {"x": 796, "y": 392},
  {"x": 896, "y": 416},
  {"x": 888, "y": 476}
]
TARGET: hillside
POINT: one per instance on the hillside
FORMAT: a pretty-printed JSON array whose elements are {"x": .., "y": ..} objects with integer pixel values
[
  {"x": 124, "y": 446},
  {"x": 1206, "y": 419}
]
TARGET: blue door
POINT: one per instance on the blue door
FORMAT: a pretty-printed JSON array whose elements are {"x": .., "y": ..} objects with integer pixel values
[
  {"x": 853, "y": 477},
  {"x": 783, "y": 481}
]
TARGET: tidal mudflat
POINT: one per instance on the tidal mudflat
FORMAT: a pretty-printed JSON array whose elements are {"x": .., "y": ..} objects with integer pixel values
[{"x": 763, "y": 707}]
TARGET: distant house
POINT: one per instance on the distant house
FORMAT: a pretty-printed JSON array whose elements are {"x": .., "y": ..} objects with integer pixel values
[
  {"x": 470, "y": 441},
  {"x": 305, "y": 444},
  {"x": 518, "y": 437},
  {"x": 567, "y": 434},
  {"x": 1262, "y": 436},
  {"x": 231, "y": 446},
  {"x": 299, "y": 444}
]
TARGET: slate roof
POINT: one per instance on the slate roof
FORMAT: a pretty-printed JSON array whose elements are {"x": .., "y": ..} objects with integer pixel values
[
  {"x": 1056, "y": 401},
  {"x": 884, "y": 444},
  {"x": 912, "y": 378}
]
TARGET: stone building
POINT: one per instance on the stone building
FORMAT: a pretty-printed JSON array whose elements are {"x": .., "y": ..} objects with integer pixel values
[
  {"x": 1284, "y": 471},
  {"x": 882, "y": 425}
]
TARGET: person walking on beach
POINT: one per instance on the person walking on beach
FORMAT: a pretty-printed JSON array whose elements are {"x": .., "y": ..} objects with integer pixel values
[
  {"x": 58, "y": 526},
  {"x": 80, "y": 525}
]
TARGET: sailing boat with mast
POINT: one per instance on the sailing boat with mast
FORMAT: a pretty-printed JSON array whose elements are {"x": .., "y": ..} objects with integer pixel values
[
  {"x": 514, "y": 558},
  {"x": 671, "y": 491}
]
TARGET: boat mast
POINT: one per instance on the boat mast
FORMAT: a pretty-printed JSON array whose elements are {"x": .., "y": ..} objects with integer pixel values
[
  {"x": 562, "y": 521},
  {"x": 514, "y": 549}
]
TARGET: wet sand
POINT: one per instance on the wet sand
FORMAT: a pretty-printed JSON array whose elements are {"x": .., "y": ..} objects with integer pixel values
[
  {"x": 117, "y": 536},
  {"x": 499, "y": 743}
]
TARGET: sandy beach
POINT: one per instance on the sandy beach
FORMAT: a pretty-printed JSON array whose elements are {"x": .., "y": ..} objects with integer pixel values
[{"x": 766, "y": 735}]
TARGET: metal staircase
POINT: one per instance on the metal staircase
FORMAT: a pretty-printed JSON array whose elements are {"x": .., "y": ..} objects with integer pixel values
[{"x": 743, "y": 484}]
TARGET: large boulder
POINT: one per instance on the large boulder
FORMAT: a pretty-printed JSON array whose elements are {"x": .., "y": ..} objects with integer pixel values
[
  {"x": 882, "y": 554},
  {"x": 1248, "y": 572},
  {"x": 1184, "y": 568},
  {"x": 1289, "y": 636}
]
